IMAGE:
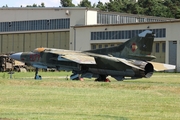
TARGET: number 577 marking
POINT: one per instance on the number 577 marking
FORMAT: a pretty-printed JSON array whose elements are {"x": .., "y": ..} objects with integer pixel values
[{"x": 34, "y": 57}]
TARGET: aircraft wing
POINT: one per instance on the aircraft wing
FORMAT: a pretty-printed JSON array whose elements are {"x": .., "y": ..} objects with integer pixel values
[
  {"x": 85, "y": 59},
  {"x": 162, "y": 66},
  {"x": 89, "y": 58},
  {"x": 81, "y": 59},
  {"x": 77, "y": 57}
]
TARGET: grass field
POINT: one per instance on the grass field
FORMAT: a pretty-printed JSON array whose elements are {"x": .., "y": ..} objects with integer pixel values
[{"x": 55, "y": 98}]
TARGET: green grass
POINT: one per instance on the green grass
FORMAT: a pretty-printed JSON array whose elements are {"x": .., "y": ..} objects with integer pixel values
[{"x": 54, "y": 98}]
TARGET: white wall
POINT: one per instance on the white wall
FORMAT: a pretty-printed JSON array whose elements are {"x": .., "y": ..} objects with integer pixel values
[
  {"x": 20, "y": 14},
  {"x": 82, "y": 39},
  {"x": 173, "y": 34},
  {"x": 77, "y": 15},
  {"x": 91, "y": 17}
]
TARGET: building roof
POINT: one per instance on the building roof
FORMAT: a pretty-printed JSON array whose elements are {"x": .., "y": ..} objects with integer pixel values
[
  {"x": 48, "y": 8},
  {"x": 122, "y": 24},
  {"x": 136, "y": 15}
]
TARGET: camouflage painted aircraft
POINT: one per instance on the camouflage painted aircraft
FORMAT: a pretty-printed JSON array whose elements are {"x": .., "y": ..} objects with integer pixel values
[{"x": 130, "y": 59}]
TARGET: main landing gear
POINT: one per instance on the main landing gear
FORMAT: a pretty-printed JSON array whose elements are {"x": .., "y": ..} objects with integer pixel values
[
  {"x": 37, "y": 77},
  {"x": 102, "y": 78}
]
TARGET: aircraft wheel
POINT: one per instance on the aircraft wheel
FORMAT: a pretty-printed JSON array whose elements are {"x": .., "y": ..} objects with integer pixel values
[
  {"x": 102, "y": 78},
  {"x": 107, "y": 80},
  {"x": 38, "y": 77}
]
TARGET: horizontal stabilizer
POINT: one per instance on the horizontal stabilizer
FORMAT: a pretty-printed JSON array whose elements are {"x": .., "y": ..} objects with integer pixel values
[
  {"x": 115, "y": 59},
  {"x": 162, "y": 66},
  {"x": 128, "y": 63}
]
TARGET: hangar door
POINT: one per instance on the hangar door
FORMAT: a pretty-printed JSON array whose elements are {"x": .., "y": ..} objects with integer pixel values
[
  {"x": 172, "y": 52},
  {"x": 30, "y": 41},
  {"x": 47, "y": 39}
]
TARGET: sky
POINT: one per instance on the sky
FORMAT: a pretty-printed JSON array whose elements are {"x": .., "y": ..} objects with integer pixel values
[{"x": 48, "y": 3}]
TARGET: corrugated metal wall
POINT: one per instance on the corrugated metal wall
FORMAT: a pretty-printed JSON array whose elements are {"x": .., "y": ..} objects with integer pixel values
[
  {"x": 158, "y": 52},
  {"x": 4, "y": 43},
  {"x": 30, "y": 41}
]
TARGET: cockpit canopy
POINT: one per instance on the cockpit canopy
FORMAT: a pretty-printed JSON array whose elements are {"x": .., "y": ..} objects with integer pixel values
[{"x": 38, "y": 50}]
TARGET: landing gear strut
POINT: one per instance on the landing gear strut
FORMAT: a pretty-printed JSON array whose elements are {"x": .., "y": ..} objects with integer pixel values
[
  {"x": 37, "y": 77},
  {"x": 76, "y": 77},
  {"x": 102, "y": 78}
]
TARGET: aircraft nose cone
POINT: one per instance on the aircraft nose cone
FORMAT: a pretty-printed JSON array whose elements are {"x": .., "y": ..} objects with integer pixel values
[{"x": 16, "y": 56}]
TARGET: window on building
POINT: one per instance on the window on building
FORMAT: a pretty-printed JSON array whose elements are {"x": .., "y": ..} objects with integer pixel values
[
  {"x": 164, "y": 32},
  {"x": 35, "y": 25},
  {"x": 106, "y": 45},
  {"x": 124, "y": 34},
  {"x": 100, "y": 46},
  {"x": 92, "y": 35},
  {"x": 93, "y": 46},
  {"x": 157, "y": 47},
  {"x": 164, "y": 47},
  {"x": 98, "y": 35},
  {"x": 174, "y": 42}
]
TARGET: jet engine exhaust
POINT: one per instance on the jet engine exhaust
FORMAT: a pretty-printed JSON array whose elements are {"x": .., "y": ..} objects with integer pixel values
[{"x": 149, "y": 69}]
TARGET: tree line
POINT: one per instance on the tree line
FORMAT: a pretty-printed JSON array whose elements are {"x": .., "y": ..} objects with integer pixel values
[
  {"x": 159, "y": 8},
  {"x": 34, "y": 5}
]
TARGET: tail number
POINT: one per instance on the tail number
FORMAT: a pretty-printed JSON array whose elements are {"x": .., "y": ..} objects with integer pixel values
[{"x": 34, "y": 57}]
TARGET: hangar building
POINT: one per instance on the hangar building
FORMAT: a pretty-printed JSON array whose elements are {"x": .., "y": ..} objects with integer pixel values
[{"x": 24, "y": 29}]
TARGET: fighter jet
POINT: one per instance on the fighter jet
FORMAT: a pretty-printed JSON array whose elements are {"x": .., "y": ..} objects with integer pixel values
[{"x": 130, "y": 59}]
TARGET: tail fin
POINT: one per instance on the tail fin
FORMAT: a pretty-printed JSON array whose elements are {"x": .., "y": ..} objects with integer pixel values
[{"x": 139, "y": 47}]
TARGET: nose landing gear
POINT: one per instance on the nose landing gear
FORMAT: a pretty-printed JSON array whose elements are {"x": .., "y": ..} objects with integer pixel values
[{"x": 37, "y": 77}]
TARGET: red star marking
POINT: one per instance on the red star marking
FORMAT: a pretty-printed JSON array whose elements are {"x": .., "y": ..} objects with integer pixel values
[{"x": 134, "y": 47}]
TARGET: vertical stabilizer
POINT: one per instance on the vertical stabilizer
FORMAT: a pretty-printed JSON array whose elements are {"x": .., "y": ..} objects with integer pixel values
[{"x": 139, "y": 47}]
